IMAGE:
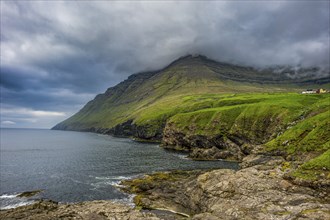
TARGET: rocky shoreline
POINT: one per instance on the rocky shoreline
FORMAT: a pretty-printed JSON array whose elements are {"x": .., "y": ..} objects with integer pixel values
[
  {"x": 97, "y": 210},
  {"x": 260, "y": 190}
]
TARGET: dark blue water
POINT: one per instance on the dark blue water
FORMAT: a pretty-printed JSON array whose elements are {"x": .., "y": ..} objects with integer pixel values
[{"x": 77, "y": 166}]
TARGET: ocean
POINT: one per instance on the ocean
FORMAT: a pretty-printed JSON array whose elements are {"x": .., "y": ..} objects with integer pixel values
[{"x": 73, "y": 166}]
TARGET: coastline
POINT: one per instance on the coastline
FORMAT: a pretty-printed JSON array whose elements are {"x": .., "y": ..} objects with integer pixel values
[
  {"x": 259, "y": 190},
  {"x": 262, "y": 189}
]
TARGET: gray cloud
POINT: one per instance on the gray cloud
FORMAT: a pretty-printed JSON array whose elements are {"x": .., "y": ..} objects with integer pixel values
[{"x": 55, "y": 56}]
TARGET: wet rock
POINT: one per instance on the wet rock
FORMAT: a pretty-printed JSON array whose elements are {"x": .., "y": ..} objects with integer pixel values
[{"x": 29, "y": 193}]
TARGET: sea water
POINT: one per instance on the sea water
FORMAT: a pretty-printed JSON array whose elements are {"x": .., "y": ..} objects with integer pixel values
[{"x": 73, "y": 166}]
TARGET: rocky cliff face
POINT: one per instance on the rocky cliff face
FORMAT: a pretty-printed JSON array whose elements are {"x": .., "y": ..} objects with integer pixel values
[
  {"x": 283, "y": 124},
  {"x": 129, "y": 129},
  {"x": 203, "y": 147},
  {"x": 208, "y": 142}
]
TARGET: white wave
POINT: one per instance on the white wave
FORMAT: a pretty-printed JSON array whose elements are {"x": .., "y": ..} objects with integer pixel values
[
  {"x": 102, "y": 135},
  {"x": 17, "y": 205},
  {"x": 122, "y": 177},
  {"x": 102, "y": 178},
  {"x": 182, "y": 156},
  {"x": 113, "y": 177},
  {"x": 6, "y": 196},
  {"x": 57, "y": 175},
  {"x": 114, "y": 183},
  {"x": 127, "y": 201},
  {"x": 110, "y": 180},
  {"x": 105, "y": 183}
]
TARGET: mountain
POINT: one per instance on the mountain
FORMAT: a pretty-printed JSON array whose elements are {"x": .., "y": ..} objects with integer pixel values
[
  {"x": 218, "y": 110},
  {"x": 142, "y": 103}
]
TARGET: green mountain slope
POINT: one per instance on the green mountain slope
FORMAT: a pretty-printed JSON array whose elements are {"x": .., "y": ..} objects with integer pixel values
[
  {"x": 219, "y": 111},
  {"x": 140, "y": 105}
]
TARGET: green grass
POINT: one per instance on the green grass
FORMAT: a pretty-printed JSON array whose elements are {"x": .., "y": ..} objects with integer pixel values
[
  {"x": 315, "y": 168},
  {"x": 256, "y": 117},
  {"x": 320, "y": 162},
  {"x": 311, "y": 134}
]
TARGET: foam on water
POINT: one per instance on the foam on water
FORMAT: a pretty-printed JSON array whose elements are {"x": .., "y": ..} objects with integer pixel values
[
  {"x": 182, "y": 156},
  {"x": 16, "y": 205},
  {"x": 5, "y": 196},
  {"x": 10, "y": 201},
  {"x": 110, "y": 180}
]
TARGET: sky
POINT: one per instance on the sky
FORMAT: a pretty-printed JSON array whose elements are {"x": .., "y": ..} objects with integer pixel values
[{"x": 56, "y": 55}]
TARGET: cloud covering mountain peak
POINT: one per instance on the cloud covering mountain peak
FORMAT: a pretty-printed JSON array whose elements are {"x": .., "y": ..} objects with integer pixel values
[{"x": 80, "y": 47}]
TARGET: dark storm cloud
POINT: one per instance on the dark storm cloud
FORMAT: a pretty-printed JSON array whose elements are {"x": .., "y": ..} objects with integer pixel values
[{"x": 55, "y": 56}]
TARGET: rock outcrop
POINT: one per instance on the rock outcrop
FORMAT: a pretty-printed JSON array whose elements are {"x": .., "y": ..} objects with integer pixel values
[
  {"x": 257, "y": 191},
  {"x": 206, "y": 147}
]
